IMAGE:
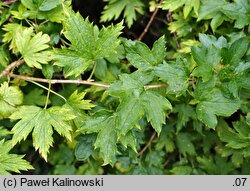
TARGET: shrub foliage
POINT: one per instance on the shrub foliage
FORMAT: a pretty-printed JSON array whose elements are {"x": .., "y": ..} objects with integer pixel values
[{"x": 154, "y": 87}]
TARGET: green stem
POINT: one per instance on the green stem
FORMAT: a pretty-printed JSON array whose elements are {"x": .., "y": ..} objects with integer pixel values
[
  {"x": 92, "y": 72},
  {"x": 47, "y": 98},
  {"x": 48, "y": 90}
]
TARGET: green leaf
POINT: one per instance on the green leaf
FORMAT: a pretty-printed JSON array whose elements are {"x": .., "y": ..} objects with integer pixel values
[
  {"x": 126, "y": 86},
  {"x": 44, "y": 9},
  {"x": 140, "y": 56},
  {"x": 32, "y": 47},
  {"x": 41, "y": 122},
  {"x": 185, "y": 113},
  {"x": 76, "y": 104},
  {"x": 10, "y": 97},
  {"x": 88, "y": 44},
  {"x": 184, "y": 143},
  {"x": 11, "y": 162},
  {"x": 213, "y": 103},
  {"x": 235, "y": 52},
  {"x": 182, "y": 170},
  {"x": 176, "y": 74},
  {"x": 206, "y": 59},
  {"x": 236, "y": 138},
  {"x": 76, "y": 101},
  {"x": 216, "y": 165},
  {"x": 173, "y": 5},
  {"x": 103, "y": 124},
  {"x": 47, "y": 5},
  {"x": 209, "y": 40},
  {"x": 129, "y": 112},
  {"x": 106, "y": 142},
  {"x": 155, "y": 106},
  {"x": 129, "y": 140},
  {"x": 12, "y": 30},
  {"x": 114, "y": 9},
  {"x": 35, "y": 97},
  {"x": 212, "y": 9},
  {"x": 4, "y": 56},
  {"x": 4, "y": 132},
  {"x": 238, "y": 11},
  {"x": 85, "y": 146}
]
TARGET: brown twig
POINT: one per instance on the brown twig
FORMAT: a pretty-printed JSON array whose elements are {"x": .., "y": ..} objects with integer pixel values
[
  {"x": 9, "y": 2},
  {"x": 55, "y": 81},
  {"x": 147, "y": 145},
  {"x": 9, "y": 68},
  {"x": 155, "y": 86},
  {"x": 149, "y": 23},
  {"x": 170, "y": 19},
  {"x": 85, "y": 82}
]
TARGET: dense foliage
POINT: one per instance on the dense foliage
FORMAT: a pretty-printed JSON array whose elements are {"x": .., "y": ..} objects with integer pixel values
[{"x": 149, "y": 87}]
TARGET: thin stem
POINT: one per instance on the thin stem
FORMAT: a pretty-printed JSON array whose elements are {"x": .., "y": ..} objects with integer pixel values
[
  {"x": 170, "y": 19},
  {"x": 85, "y": 82},
  {"x": 48, "y": 89},
  {"x": 147, "y": 145},
  {"x": 155, "y": 86},
  {"x": 47, "y": 98},
  {"x": 149, "y": 23},
  {"x": 92, "y": 72},
  {"x": 55, "y": 81}
]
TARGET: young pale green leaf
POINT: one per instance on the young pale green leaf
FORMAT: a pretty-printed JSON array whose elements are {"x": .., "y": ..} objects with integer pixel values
[
  {"x": 235, "y": 52},
  {"x": 42, "y": 121},
  {"x": 4, "y": 132},
  {"x": 76, "y": 104},
  {"x": 11, "y": 162},
  {"x": 206, "y": 59},
  {"x": 88, "y": 44},
  {"x": 172, "y": 5},
  {"x": 155, "y": 106},
  {"x": 76, "y": 101},
  {"x": 115, "y": 8},
  {"x": 129, "y": 112},
  {"x": 214, "y": 104},
  {"x": 10, "y": 97},
  {"x": 11, "y": 31},
  {"x": 33, "y": 48},
  {"x": 140, "y": 56},
  {"x": 176, "y": 74}
]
